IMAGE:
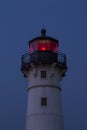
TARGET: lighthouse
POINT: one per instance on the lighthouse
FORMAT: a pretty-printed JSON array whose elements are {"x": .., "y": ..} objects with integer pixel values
[{"x": 44, "y": 66}]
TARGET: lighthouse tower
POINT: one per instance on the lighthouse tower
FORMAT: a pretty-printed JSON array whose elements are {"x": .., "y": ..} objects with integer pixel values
[{"x": 44, "y": 67}]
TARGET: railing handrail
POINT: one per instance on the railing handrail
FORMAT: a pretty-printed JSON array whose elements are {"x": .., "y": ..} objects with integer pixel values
[{"x": 61, "y": 58}]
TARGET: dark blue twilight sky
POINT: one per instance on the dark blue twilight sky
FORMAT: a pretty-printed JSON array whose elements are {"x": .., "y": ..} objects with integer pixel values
[{"x": 20, "y": 21}]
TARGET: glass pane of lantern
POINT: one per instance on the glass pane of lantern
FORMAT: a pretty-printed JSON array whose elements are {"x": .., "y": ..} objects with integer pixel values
[
  {"x": 33, "y": 47},
  {"x": 53, "y": 46},
  {"x": 44, "y": 45}
]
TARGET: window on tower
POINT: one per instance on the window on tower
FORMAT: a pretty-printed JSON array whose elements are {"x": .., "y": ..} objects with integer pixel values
[
  {"x": 43, "y": 74},
  {"x": 43, "y": 101}
]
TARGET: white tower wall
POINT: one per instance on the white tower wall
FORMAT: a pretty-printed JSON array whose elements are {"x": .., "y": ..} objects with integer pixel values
[{"x": 47, "y": 117}]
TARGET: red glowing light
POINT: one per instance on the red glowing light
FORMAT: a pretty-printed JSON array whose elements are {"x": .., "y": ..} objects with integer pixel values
[
  {"x": 44, "y": 46},
  {"x": 43, "y": 49}
]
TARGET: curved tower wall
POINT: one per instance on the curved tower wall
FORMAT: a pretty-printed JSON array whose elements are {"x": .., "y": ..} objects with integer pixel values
[{"x": 49, "y": 116}]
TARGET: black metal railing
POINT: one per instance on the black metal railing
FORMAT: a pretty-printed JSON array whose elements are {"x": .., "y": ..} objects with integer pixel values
[{"x": 43, "y": 57}]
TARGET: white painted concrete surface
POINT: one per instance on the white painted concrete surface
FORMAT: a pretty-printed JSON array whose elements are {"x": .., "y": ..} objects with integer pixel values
[{"x": 44, "y": 117}]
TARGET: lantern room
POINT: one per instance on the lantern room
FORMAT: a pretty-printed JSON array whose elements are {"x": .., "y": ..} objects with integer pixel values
[
  {"x": 43, "y": 50},
  {"x": 43, "y": 43}
]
